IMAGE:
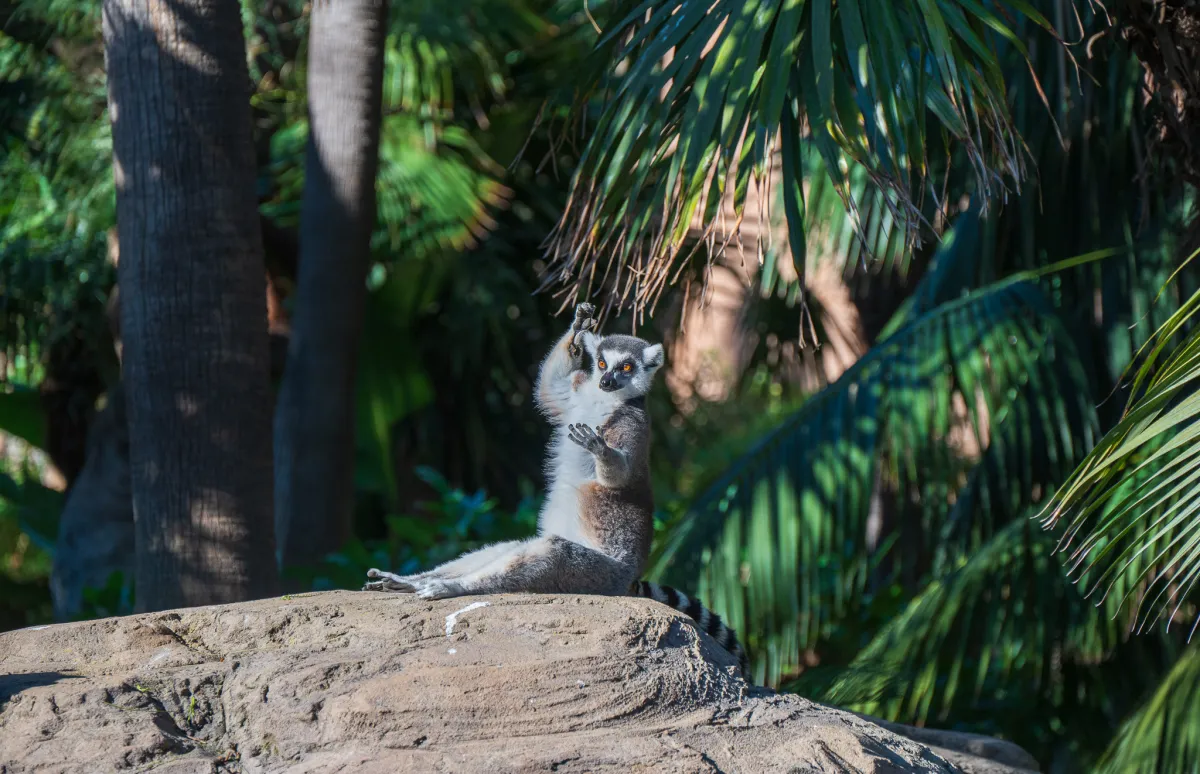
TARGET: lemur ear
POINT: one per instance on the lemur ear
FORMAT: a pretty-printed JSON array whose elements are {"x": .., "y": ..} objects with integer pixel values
[{"x": 652, "y": 356}]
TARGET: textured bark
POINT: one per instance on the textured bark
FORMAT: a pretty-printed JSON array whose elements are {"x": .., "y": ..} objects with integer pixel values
[
  {"x": 95, "y": 531},
  {"x": 193, "y": 315},
  {"x": 315, "y": 419}
]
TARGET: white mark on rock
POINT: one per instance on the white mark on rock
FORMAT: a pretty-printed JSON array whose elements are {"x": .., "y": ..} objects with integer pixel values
[
  {"x": 452, "y": 651},
  {"x": 453, "y": 617},
  {"x": 36, "y": 628},
  {"x": 159, "y": 656}
]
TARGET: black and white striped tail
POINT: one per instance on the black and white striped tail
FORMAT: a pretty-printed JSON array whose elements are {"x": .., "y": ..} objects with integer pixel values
[{"x": 709, "y": 621}]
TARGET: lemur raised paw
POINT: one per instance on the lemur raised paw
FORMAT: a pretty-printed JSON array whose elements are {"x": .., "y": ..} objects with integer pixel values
[
  {"x": 584, "y": 313},
  {"x": 587, "y": 438},
  {"x": 585, "y": 320}
]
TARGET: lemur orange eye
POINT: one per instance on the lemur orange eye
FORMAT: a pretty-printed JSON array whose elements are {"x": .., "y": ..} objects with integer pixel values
[
  {"x": 627, "y": 368},
  {"x": 602, "y": 365}
]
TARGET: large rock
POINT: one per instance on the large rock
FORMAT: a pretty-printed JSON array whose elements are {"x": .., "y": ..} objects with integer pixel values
[{"x": 362, "y": 682}]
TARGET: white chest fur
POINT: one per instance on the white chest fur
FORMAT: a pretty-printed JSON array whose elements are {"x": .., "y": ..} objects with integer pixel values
[{"x": 571, "y": 466}]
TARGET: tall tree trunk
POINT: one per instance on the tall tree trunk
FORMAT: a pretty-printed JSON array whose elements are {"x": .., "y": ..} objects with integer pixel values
[
  {"x": 315, "y": 419},
  {"x": 193, "y": 316}
]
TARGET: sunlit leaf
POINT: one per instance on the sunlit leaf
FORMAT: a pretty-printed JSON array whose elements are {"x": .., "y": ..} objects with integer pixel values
[{"x": 1129, "y": 513}]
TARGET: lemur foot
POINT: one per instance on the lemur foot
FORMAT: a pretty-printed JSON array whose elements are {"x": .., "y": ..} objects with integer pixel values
[
  {"x": 388, "y": 581},
  {"x": 587, "y": 438},
  {"x": 421, "y": 585},
  {"x": 437, "y": 588}
]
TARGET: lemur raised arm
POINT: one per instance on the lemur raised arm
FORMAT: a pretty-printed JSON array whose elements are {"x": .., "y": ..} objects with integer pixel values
[{"x": 596, "y": 524}]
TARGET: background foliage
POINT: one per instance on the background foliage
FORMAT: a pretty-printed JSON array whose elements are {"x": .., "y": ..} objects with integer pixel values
[{"x": 986, "y": 180}]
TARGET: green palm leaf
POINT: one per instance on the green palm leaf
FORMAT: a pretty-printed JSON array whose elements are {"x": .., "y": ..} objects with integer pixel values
[
  {"x": 434, "y": 199},
  {"x": 1001, "y": 643},
  {"x": 783, "y": 539},
  {"x": 703, "y": 91},
  {"x": 996, "y": 627},
  {"x": 1164, "y": 734},
  {"x": 450, "y": 58},
  {"x": 1130, "y": 508}
]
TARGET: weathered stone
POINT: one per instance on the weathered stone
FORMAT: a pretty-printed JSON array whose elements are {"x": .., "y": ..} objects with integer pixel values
[{"x": 361, "y": 682}]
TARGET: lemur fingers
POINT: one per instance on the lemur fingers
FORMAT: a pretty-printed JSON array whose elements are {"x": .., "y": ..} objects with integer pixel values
[
  {"x": 586, "y": 437},
  {"x": 583, "y": 313}
]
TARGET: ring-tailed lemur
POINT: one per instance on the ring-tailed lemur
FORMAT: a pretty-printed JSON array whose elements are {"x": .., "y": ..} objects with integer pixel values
[{"x": 596, "y": 525}]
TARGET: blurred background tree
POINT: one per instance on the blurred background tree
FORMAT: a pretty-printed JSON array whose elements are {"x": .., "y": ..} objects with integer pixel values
[
  {"x": 314, "y": 428},
  {"x": 982, "y": 213}
]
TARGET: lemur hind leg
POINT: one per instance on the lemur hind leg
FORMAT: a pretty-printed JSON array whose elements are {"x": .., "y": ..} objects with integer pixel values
[
  {"x": 469, "y": 562},
  {"x": 545, "y": 565}
]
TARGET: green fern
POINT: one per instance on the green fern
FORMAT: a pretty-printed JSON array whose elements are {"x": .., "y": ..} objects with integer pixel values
[{"x": 56, "y": 188}]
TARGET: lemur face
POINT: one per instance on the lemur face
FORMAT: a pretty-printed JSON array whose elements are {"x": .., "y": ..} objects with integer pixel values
[{"x": 624, "y": 365}]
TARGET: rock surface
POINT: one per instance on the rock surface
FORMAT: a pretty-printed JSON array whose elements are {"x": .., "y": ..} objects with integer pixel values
[{"x": 360, "y": 682}]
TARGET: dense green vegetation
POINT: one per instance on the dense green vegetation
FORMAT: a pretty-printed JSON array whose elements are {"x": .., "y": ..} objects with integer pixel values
[{"x": 996, "y": 184}]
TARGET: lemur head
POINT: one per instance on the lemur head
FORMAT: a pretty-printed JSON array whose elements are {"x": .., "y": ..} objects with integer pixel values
[{"x": 624, "y": 365}]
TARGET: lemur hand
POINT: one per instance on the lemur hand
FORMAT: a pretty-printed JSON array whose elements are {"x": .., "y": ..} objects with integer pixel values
[
  {"x": 587, "y": 438},
  {"x": 585, "y": 316},
  {"x": 585, "y": 320}
]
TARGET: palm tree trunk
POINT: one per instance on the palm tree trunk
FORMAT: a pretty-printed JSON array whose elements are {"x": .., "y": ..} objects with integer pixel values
[
  {"x": 315, "y": 415},
  {"x": 193, "y": 316}
]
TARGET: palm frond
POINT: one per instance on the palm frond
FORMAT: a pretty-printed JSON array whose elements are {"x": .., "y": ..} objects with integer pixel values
[
  {"x": 450, "y": 58},
  {"x": 1072, "y": 205},
  {"x": 1164, "y": 734},
  {"x": 868, "y": 235},
  {"x": 997, "y": 628},
  {"x": 1130, "y": 508},
  {"x": 1001, "y": 643},
  {"x": 783, "y": 539},
  {"x": 703, "y": 90},
  {"x": 439, "y": 199}
]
